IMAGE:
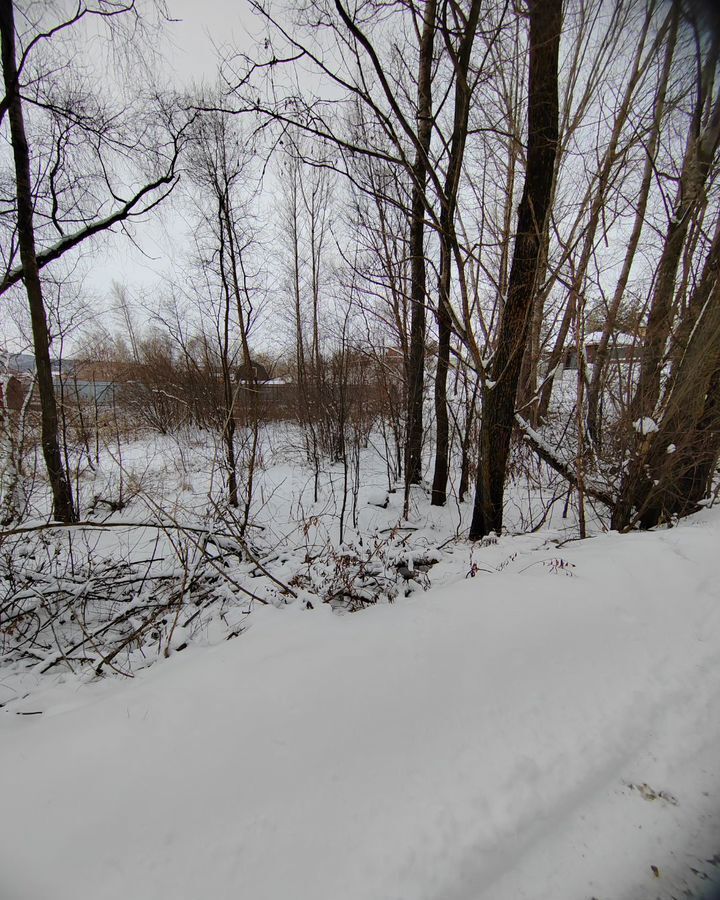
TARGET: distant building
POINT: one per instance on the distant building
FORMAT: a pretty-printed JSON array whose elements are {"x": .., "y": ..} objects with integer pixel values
[
  {"x": 16, "y": 371},
  {"x": 73, "y": 384},
  {"x": 85, "y": 391},
  {"x": 255, "y": 380},
  {"x": 17, "y": 362},
  {"x": 622, "y": 348},
  {"x": 13, "y": 391},
  {"x": 252, "y": 372}
]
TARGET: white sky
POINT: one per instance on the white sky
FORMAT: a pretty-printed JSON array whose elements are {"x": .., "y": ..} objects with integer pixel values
[
  {"x": 199, "y": 34},
  {"x": 202, "y": 26}
]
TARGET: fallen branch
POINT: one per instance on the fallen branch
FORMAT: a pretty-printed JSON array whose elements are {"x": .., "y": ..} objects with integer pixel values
[
  {"x": 547, "y": 455},
  {"x": 99, "y": 526}
]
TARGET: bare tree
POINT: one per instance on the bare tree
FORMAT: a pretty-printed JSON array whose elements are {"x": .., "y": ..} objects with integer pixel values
[
  {"x": 674, "y": 459},
  {"x": 44, "y": 200},
  {"x": 702, "y": 144},
  {"x": 499, "y": 395},
  {"x": 418, "y": 286},
  {"x": 63, "y": 508},
  {"x": 643, "y": 194},
  {"x": 467, "y": 25},
  {"x": 598, "y": 195}
]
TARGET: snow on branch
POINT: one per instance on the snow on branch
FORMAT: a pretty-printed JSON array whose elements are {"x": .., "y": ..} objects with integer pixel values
[
  {"x": 548, "y": 455},
  {"x": 126, "y": 211}
]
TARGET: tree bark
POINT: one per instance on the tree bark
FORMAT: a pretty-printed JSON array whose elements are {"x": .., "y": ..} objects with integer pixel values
[
  {"x": 466, "y": 442},
  {"x": 597, "y": 213},
  {"x": 498, "y": 411},
  {"x": 673, "y": 467},
  {"x": 601, "y": 354},
  {"x": 447, "y": 237},
  {"x": 228, "y": 428},
  {"x": 63, "y": 508},
  {"x": 701, "y": 149},
  {"x": 416, "y": 374}
]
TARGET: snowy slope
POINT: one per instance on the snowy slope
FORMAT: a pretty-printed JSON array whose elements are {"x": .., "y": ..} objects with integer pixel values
[{"x": 478, "y": 741}]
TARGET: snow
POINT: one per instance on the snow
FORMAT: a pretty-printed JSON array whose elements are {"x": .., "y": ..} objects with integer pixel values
[
  {"x": 645, "y": 425},
  {"x": 377, "y": 497},
  {"x": 619, "y": 338},
  {"x": 512, "y": 735}
]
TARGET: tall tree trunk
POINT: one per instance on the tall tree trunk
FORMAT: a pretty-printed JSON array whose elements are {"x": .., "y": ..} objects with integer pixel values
[
  {"x": 447, "y": 237},
  {"x": 697, "y": 301},
  {"x": 63, "y": 508},
  {"x": 654, "y": 480},
  {"x": 252, "y": 391},
  {"x": 228, "y": 429},
  {"x": 466, "y": 442},
  {"x": 442, "y": 422},
  {"x": 498, "y": 410},
  {"x": 597, "y": 211},
  {"x": 416, "y": 374},
  {"x": 701, "y": 148},
  {"x": 528, "y": 399},
  {"x": 673, "y": 466},
  {"x": 693, "y": 483},
  {"x": 601, "y": 354}
]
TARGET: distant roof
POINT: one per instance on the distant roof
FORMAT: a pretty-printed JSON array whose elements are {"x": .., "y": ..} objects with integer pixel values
[
  {"x": 25, "y": 362},
  {"x": 254, "y": 372},
  {"x": 17, "y": 362},
  {"x": 67, "y": 365},
  {"x": 619, "y": 337}
]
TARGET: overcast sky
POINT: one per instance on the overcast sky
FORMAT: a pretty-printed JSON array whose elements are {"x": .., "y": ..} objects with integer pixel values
[
  {"x": 194, "y": 40},
  {"x": 202, "y": 26}
]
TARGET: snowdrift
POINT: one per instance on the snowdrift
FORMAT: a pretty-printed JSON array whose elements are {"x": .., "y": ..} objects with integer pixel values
[{"x": 548, "y": 730}]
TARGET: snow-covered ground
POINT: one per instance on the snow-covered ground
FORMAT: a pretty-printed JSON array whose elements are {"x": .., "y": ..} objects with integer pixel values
[
  {"x": 160, "y": 560},
  {"x": 546, "y": 729}
]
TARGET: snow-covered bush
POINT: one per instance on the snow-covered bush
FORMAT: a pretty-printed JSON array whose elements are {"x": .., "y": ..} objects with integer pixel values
[{"x": 359, "y": 573}]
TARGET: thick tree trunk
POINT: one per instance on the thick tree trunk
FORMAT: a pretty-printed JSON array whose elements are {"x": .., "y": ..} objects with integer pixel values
[
  {"x": 63, "y": 509},
  {"x": 701, "y": 149},
  {"x": 695, "y": 481},
  {"x": 655, "y": 482},
  {"x": 528, "y": 399},
  {"x": 416, "y": 373},
  {"x": 696, "y": 302},
  {"x": 498, "y": 409},
  {"x": 673, "y": 466},
  {"x": 678, "y": 465}
]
